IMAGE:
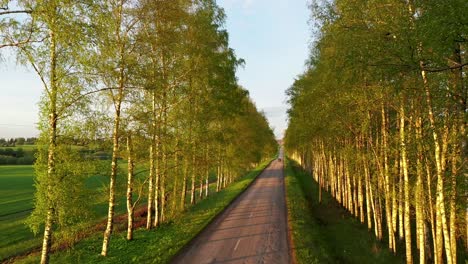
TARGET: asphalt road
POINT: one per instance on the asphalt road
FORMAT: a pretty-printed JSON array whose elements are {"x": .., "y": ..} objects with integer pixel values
[{"x": 251, "y": 230}]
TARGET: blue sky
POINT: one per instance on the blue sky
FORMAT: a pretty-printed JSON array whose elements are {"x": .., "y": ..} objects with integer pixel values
[{"x": 271, "y": 35}]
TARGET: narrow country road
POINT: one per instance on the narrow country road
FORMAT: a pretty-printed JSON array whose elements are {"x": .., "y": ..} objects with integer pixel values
[{"x": 252, "y": 230}]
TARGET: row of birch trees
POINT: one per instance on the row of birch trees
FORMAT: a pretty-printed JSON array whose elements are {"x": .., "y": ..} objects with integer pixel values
[
  {"x": 150, "y": 83},
  {"x": 379, "y": 119}
]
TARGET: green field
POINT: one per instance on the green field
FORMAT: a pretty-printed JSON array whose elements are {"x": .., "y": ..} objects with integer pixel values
[
  {"x": 16, "y": 189},
  {"x": 16, "y": 203},
  {"x": 25, "y": 147}
]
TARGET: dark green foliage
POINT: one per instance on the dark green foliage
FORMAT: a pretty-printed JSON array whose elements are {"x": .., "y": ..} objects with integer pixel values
[
  {"x": 12, "y": 142},
  {"x": 17, "y": 156}
]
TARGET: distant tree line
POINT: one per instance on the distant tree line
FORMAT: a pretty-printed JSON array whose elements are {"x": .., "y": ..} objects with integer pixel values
[
  {"x": 20, "y": 156},
  {"x": 12, "y": 142},
  {"x": 10, "y": 156}
]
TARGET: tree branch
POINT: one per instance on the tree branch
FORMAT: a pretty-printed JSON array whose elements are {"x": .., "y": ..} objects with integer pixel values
[
  {"x": 14, "y": 11},
  {"x": 140, "y": 191},
  {"x": 81, "y": 96},
  {"x": 458, "y": 66},
  {"x": 36, "y": 69},
  {"x": 27, "y": 40}
]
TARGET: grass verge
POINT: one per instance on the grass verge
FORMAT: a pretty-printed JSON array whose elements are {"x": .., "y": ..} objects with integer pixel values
[
  {"x": 158, "y": 245},
  {"x": 325, "y": 232}
]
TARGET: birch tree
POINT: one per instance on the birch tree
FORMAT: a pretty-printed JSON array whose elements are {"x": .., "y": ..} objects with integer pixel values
[
  {"x": 49, "y": 42},
  {"x": 401, "y": 82}
]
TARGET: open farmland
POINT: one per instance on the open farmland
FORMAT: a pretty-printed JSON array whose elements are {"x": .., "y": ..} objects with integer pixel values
[{"x": 16, "y": 203}]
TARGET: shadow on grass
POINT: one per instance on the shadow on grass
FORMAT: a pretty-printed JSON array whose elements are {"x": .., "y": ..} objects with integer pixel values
[{"x": 325, "y": 232}]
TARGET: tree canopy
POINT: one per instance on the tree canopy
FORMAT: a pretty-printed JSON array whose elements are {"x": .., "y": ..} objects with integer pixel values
[
  {"x": 158, "y": 75},
  {"x": 379, "y": 118}
]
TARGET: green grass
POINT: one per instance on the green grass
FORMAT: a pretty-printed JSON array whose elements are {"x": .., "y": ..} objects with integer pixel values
[
  {"x": 16, "y": 188},
  {"x": 16, "y": 202},
  {"x": 159, "y": 245},
  {"x": 325, "y": 232}
]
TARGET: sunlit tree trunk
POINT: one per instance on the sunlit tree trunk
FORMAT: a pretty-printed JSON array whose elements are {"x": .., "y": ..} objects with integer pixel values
[
  {"x": 218, "y": 169},
  {"x": 453, "y": 203},
  {"x": 419, "y": 194},
  {"x": 46, "y": 242},
  {"x": 349, "y": 196},
  {"x": 224, "y": 174},
  {"x": 444, "y": 159},
  {"x": 379, "y": 218},
  {"x": 183, "y": 195},
  {"x": 441, "y": 219},
  {"x": 369, "y": 202},
  {"x": 401, "y": 230},
  {"x": 207, "y": 173},
  {"x": 339, "y": 179},
  {"x": 458, "y": 139},
  {"x": 130, "y": 207},
  {"x": 218, "y": 177},
  {"x": 163, "y": 142},
  {"x": 175, "y": 188},
  {"x": 356, "y": 195},
  {"x": 387, "y": 190},
  {"x": 317, "y": 175},
  {"x": 332, "y": 174},
  {"x": 373, "y": 203},
  {"x": 186, "y": 166},
  {"x": 152, "y": 158},
  {"x": 431, "y": 209},
  {"x": 113, "y": 176},
  {"x": 361, "y": 199},
  {"x": 193, "y": 181},
  {"x": 179, "y": 174},
  {"x": 47, "y": 239},
  {"x": 163, "y": 182},
  {"x": 404, "y": 164},
  {"x": 115, "y": 149},
  {"x": 396, "y": 170},
  {"x": 157, "y": 183},
  {"x": 200, "y": 193}
]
